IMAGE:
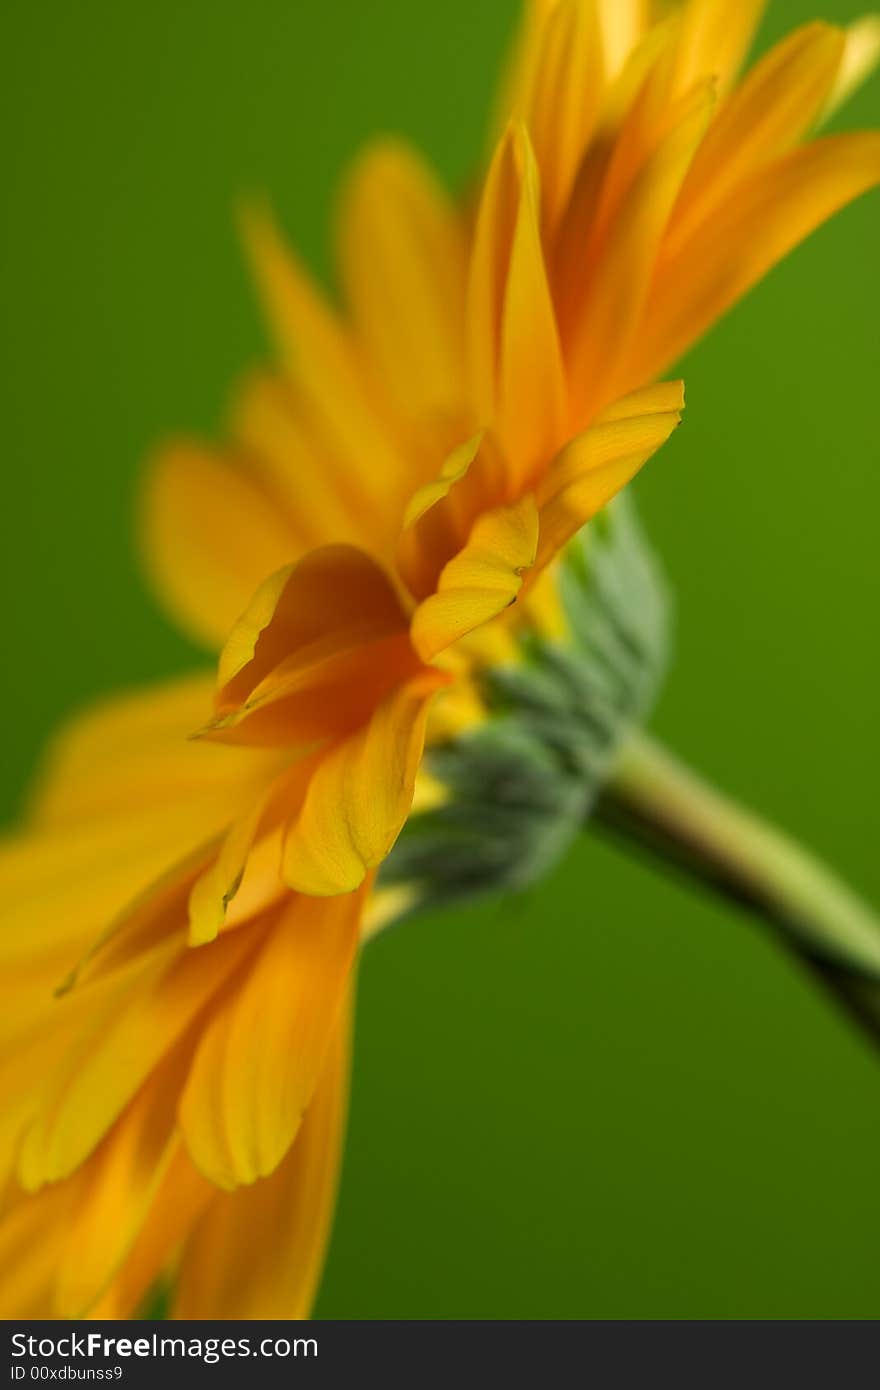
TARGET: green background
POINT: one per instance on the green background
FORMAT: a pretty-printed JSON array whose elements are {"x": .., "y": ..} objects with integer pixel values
[{"x": 612, "y": 1098}]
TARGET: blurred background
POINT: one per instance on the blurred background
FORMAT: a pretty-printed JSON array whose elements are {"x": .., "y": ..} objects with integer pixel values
[{"x": 613, "y": 1098}]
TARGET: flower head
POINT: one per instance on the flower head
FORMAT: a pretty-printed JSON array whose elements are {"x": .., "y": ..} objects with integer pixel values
[{"x": 373, "y": 552}]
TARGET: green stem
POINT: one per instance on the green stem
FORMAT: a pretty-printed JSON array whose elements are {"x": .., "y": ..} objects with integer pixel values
[{"x": 654, "y": 799}]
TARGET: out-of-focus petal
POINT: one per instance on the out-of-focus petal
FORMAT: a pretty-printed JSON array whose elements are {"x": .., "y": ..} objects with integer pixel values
[
  {"x": 565, "y": 99},
  {"x": 861, "y": 55},
  {"x": 622, "y": 23},
  {"x": 180, "y": 1199},
  {"x": 258, "y": 1062},
  {"x": 132, "y": 1028},
  {"x": 775, "y": 105},
  {"x": 209, "y": 535},
  {"x": 338, "y": 396},
  {"x": 745, "y": 237},
  {"x": 276, "y": 1230},
  {"x": 30, "y": 1243},
  {"x": 716, "y": 36},
  {"x": 403, "y": 262},
  {"x": 322, "y": 497},
  {"x": 115, "y": 1190}
]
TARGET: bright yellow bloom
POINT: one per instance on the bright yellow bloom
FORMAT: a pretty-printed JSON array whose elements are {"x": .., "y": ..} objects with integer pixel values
[{"x": 384, "y": 520}]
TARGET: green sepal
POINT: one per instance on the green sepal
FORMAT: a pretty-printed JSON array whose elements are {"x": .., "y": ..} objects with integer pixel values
[{"x": 521, "y": 785}]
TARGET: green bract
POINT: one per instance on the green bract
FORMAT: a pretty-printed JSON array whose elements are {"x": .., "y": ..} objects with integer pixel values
[{"x": 522, "y": 783}]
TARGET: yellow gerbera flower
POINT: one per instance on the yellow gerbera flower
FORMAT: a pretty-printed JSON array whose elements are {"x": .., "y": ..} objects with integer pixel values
[{"x": 382, "y": 529}]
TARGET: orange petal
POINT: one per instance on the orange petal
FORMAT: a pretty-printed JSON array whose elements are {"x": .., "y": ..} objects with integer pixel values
[
  {"x": 441, "y": 514},
  {"x": 531, "y": 383},
  {"x": 360, "y": 796},
  {"x": 320, "y": 645},
  {"x": 335, "y": 590},
  {"x": 565, "y": 98},
  {"x": 619, "y": 274},
  {"x": 516, "y": 366},
  {"x": 770, "y": 111},
  {"x": 745, "y": 237},
  {"x": 481, "y": 581}
]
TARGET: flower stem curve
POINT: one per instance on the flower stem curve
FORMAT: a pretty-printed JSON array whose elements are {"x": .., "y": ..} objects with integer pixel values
[{"x": 654, "y": 800}]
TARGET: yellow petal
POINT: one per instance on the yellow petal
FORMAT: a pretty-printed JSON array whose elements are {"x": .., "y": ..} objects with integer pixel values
[
  {"x": 481, "y": 581},
  {"x": 531, "y": 383},
  {"x": 258, "y": 1252},
  {"x": 131, "y": 754},
  {"x": 257, "y": 1064},
  {"x": 215, "y": 888},
  {"x": 124, "y": 809},
  {"x": 594, "y": 467},
  {"x": 345, "y": 414},
  {"x": 62, "y": 888},
  {"x": 209, "y": 534},
  {"x": 360, "y": 797},
  {"x": 715, "y": 40},
  {"x": 323, "y": 498},
  {"x": 860, "y": 57},
  {"x": 132, "y": 1027},
  {"x": 402, "y": 256},
  {"x": 518, "y": 71},
  {"x": 770, "y": 111},
  {"x": 745, "y": 237},
  {"x": 658, "y": 399},
  {"x": 622, "y": 23}
]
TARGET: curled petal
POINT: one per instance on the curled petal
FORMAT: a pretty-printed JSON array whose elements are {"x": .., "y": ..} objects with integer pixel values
[
  {"x": 590, "y": 470},
  {"x": 360, "y": 796},
  {"x": 481, "y": 581}
]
